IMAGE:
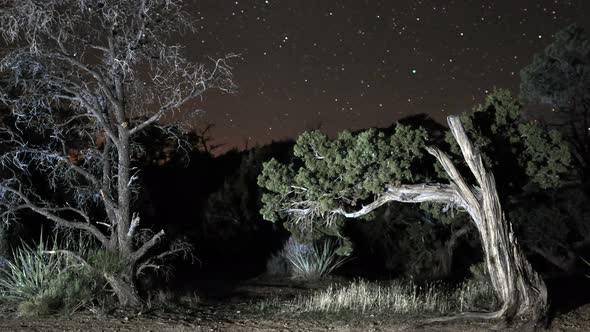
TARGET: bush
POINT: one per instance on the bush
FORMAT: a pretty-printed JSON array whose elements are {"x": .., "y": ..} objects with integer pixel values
[
  {"x": 310, "y": 262},
  {"x": 30, "y": 272},
  {"x": 44, "y": 283}
]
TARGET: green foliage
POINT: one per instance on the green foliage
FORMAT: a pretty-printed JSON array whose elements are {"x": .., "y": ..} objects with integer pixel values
[
  {"x": 546, "y": 155},
  {"x": 348, "y": 170},
  {"x": 518, "y": 151}
]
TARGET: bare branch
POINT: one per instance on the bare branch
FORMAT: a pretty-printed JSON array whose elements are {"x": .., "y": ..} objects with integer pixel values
[
  {"x": 178, "y": 248},
  {"x": 139, "y": 253},
  {"x": 48, "y": 213}
]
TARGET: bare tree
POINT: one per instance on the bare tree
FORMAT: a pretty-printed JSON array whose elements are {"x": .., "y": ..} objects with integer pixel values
[{"x": 110, "y": 67}]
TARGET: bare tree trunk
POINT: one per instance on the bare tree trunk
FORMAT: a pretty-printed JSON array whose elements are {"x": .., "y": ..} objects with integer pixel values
[
  {"x": 124, "y": 288},
  {"x": 124, "y": 211}
]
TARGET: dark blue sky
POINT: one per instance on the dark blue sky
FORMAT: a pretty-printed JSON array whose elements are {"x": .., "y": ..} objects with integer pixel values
[{"x": 352, "y": 64}]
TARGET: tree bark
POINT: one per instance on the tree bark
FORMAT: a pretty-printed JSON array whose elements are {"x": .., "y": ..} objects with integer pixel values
[
  {"x": 124, "y": 192},
  {"x": 124, "y": 289},
  {"x": 519, "y": 288}
]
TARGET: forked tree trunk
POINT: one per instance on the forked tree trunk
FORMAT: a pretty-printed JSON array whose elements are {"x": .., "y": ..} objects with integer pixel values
[{"x": 520, "y": 289}]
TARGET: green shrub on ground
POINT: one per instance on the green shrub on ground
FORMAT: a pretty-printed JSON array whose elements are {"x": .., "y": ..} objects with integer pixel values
[
  {"x": 312, "y": 261},
  {"x": 42, "y": 282},
  {"x": 29, "y": 273}
]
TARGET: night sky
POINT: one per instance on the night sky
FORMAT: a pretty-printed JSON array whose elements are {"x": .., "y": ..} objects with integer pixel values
[{"x": 354, "y": 64}]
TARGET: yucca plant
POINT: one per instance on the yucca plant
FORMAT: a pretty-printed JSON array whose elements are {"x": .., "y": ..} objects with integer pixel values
[
  {"x": 29, "y": 272},
  {"x": 312, "y": 261},
  {"x": 42, "y": 280}
]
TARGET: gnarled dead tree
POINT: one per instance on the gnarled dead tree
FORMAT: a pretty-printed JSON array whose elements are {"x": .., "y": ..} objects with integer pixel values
[
  {"x": 519, "y": 288},
  {"x": 110, "y": 69}
]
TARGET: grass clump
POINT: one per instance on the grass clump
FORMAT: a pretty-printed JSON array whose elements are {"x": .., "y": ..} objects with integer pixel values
[
  {"x": 362, "y": 296},
  {"x": 29, "y": 272},
  {"x": 42, "y": 283},
  {"x": 395, "y": 297},
  {"x": 312, "y": 261}
]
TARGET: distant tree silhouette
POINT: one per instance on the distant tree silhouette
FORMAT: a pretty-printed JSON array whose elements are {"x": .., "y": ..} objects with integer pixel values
[{"x": 560, "y": 76}]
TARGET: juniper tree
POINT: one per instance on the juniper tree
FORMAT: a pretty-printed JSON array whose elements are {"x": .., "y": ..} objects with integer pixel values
[
  {"x": 110, "y": 68},
  {"x": 351, "y": 176}
]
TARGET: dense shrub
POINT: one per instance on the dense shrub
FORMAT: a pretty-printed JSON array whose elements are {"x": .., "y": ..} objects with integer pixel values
[
  {"x": 43, "y": 283},
  {"x": 62, "y": 277}
]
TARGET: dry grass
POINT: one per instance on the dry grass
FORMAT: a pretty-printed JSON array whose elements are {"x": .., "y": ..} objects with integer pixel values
[{"x": 397, "y": 297}]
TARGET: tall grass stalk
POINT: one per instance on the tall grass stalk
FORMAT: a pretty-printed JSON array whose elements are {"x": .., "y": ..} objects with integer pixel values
[{"x": 397, "y": 297}]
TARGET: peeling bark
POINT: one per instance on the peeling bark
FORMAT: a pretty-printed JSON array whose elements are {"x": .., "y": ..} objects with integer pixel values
[{"x": 519, "y": 288}]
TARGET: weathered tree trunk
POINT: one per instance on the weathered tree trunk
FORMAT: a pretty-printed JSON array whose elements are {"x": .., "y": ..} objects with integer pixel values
[
  {"x": 124, "y": 192},
  {"x": 519, "y": 288},
  {"x": 124, "y": 288}
]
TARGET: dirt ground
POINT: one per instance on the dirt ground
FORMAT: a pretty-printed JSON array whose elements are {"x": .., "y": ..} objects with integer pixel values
[
  {"x": 83, "y": 322},
  {"x": 234, "y": 310}
]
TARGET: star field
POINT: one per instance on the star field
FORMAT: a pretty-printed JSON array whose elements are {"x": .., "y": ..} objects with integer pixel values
[{"x": 352, "y": 64}]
